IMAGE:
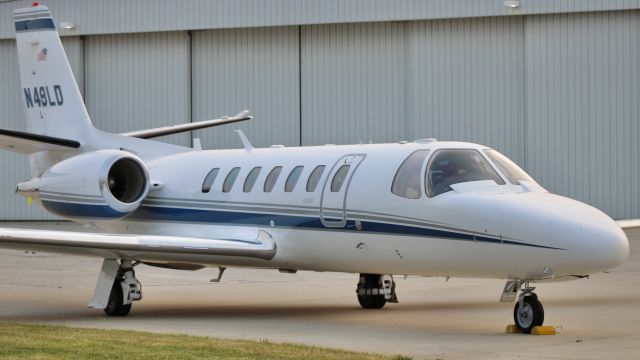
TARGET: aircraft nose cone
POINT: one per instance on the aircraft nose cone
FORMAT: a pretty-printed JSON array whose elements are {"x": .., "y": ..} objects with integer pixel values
[
  {"x": 613, "y": 245},
  {"x": 588, "y": 240},
  {"x": 596, "y": 238}
]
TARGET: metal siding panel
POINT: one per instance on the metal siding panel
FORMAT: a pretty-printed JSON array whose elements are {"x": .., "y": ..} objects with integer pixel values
[
  {"x": 122, "y": 16},
  {"x": 538, "y": 92},
  {"x": 15, "y": 167},
  {"x": 254, "y": 69},
  {"x": 353, "y": 83},
  {"x": 465, "y": 82},
  {"x": 138, "y": 81},
  {"x": 582, "y": 107}
]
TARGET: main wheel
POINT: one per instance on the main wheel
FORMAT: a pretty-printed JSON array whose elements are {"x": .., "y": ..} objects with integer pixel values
[
  {"x": 370, "y": 281},
  {"x": 531, "y": 314},
  {"x": 372, "y": 301},
  {"x": 115, "y": 306}
]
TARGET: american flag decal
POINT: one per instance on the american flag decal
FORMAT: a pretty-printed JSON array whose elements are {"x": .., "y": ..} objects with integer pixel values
[{"x": 42, "y": 55}]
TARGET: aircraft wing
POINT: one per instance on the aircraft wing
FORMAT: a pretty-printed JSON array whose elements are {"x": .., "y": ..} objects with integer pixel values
[
  {"x": 132, "y": 246},
  {"x": 28, "y": 143},
  {"x": 175, "y": 129},
  {"x": 629, "y": 224}
]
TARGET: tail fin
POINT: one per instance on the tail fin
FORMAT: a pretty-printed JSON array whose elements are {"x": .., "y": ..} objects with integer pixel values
[
  {"x": 53, "y": 103},
  {"x": 56, "y": 116}
]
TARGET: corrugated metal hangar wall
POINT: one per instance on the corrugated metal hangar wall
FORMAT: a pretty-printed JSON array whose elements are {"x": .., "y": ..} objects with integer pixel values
[{"x": 556, "y": 88}]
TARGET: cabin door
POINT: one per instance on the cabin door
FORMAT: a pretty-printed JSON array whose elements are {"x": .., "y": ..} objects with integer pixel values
[{"x": 333, "y": 203}]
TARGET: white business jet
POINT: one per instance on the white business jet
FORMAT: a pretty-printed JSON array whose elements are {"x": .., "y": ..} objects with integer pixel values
[{"x": 426, "y": 208}]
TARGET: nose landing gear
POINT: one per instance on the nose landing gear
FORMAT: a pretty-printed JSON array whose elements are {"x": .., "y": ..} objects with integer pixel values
[{"x": 528, "y": 311}]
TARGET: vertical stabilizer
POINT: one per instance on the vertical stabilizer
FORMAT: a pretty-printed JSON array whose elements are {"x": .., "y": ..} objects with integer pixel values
[{"x": 53, "y": 103}]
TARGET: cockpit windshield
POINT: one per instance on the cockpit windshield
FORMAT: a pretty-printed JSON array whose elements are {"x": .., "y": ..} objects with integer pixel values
[
  {"x": 513, "y": 173},
  {"x": 453, "y": 166}
]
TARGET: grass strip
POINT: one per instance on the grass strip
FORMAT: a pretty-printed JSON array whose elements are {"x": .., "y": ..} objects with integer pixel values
[{"x": 22, "y": 341}]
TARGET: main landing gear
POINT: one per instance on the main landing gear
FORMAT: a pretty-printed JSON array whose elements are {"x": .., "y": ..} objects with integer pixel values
[
  {"x": 125, "y": 290},
  {"x": 528, "y": 311},
  {"x": 375, "y": 290},
  {"x": 117, "y": 287}
]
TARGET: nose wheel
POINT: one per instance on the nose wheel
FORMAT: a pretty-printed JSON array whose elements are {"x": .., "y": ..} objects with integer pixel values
[{"x": 528, "y": 311}]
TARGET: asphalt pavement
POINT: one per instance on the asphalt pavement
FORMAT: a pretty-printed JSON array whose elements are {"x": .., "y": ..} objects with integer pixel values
[{"x": 597, "y": 318}]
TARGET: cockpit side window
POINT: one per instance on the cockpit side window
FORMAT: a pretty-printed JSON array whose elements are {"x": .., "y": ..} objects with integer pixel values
[
  {"x": 454, "y": 166},
  {"x": 209, "y": 179},
  {"x": 406, "y": 182},
  {"x": 513, "y": 173}
]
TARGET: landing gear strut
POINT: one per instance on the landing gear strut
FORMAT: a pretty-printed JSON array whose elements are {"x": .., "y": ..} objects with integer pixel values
[
  {"x": 528, "y": 311},
  {"x": 375, "y": 290},
  {"x": 125, "y": 290}
]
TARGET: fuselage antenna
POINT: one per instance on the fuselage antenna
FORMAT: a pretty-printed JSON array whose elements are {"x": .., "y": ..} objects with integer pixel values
[{"x": 245, "y": 141}]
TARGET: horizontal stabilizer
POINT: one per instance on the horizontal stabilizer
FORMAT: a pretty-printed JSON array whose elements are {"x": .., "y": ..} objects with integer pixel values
[
  {"x": 28, "y": 143},
  {"x": 175, "y": 129},
  {"x": 134, "y": 246},
  {"x": 629, "y": 224}
]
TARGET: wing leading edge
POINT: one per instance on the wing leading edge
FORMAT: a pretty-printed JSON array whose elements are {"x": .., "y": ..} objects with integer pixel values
[
  {"x": 29, "y": 143},
  {"x": 124, "y": 245},
  {"x": 631, "y": 224},
  {"x": 176, "y": 129}
]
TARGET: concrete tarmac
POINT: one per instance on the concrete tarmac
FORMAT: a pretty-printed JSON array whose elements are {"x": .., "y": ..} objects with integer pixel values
[{"x": 456, "y": 319}]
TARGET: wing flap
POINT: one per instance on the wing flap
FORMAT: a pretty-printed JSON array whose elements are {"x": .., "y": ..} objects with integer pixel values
[
  {"x": 262, "y": 247},
  {"x": 28, "y": 143}
]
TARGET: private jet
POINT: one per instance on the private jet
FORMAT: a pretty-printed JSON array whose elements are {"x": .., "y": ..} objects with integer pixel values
[{"x": 423, "y": 208}]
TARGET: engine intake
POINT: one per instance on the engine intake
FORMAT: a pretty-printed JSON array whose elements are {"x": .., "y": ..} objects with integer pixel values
[
  {"x": 127, "y": 180},
  {"x": 103, "y": 184}
]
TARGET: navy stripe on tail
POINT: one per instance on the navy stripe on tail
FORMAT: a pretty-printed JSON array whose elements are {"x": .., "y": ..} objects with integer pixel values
[{"x": 35, "y": 24}]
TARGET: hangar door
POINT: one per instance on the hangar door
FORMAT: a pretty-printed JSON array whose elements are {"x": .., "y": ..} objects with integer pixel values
[
  {"x": 137, "y": 81},
  {"x": 582, "y": 107},
  {"x": 254, "y": 69}
]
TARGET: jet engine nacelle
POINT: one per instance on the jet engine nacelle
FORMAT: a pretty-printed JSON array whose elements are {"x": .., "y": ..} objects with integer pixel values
[{"x": 107, "y": 184}]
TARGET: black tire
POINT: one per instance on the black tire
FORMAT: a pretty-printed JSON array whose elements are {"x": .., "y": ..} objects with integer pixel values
[
  {"x": 371, "y": 281},
  {"x": 533, "y": 314},
  {"x": 372, "y": 301},
  {"x": 114, "y": 305}
]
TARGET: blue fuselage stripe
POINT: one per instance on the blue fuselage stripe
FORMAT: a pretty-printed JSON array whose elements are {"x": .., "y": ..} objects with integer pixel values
[
  {"x": 82, "y": 210},
  {"x": 174, "y": 214},
  {"x": 259, "y": 219}
]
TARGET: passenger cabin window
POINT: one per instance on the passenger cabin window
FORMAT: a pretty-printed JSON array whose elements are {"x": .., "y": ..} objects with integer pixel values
[
  {"x": 448, "y": 167},
  {"x": 230, "y": 179},
  {"x": 209, "y": 179},
  {"x": 339, "y": 177},
  {"x": 270, "y": 182},
  {"x": 513, "y": 173},
  {"x": 251, "y": 179},
  {"x": 314, "y": 178},
  {"x": 292, "y": 179},
  {"x": 406, "y": 183}
]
